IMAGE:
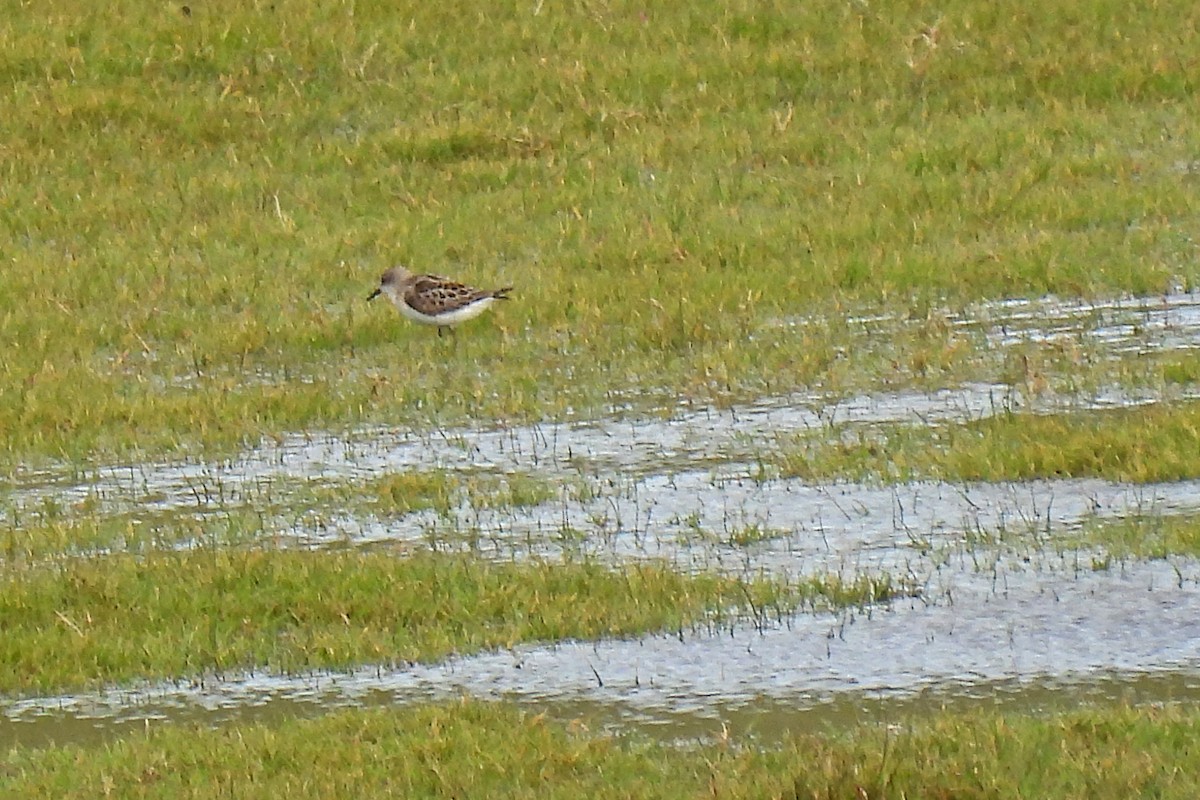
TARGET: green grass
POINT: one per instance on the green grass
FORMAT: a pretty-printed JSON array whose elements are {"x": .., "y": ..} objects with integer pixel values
[
  {"x": 104, "y": 620},
  {"x": 194, "y": 207},
  {"x": 1145, "y": 536},
  {"x": 402, "y": 493},
  {"x": 49, "y": 532},
  {"x": 752, "y": 534},
  {"x": 1152, "y": 443},
  {"x": 282, "y": 508},
  {"x": 474, "y": 749}
]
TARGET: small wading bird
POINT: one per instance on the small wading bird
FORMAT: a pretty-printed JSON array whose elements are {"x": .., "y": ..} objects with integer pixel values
[{"x": 434, "y": 300}]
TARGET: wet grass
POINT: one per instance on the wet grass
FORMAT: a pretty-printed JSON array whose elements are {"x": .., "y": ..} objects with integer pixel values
[
  {"x": 1159, "y": 442},
  {"x": 103, "y": 620},
  {"x": 475, "y": 749},
  {"x": 661, "y": 185},
  {"x": 403, "y": 493},
  {"x": 194, "y": 205},
  {"x": 1145, "y": 536},
  {"x": 38, "y": 535},
  {"x": 272, "y": 509},
  {"x": 753, "y": 534}
]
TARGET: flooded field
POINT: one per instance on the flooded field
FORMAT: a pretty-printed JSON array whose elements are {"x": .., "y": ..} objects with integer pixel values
[
  {"x": 1006, "y": 611},
  {"x": 1030, "y": 637},
  {"x": 839, "y": 435}
]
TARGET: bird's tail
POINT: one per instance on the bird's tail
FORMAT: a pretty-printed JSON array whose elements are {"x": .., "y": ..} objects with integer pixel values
[{"x": 502, "y": 294}]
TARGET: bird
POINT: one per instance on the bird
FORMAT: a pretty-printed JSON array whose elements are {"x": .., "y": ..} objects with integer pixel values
[{"x": 435, "y": 300}]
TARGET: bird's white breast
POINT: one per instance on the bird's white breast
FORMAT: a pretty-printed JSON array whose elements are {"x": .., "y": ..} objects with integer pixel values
[{"x": 469, "y": 311}]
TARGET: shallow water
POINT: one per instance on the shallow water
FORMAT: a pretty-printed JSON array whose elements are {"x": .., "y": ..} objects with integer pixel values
[
  {"x": 1018, "y": 635},
  {"x": 687, "y": 441},
  {"x": 682, "y": 490},
  {"x": 693, "y": 521},
  {"x": 1002, "y": 617},
  {"x": 607, "y": 447},
  {"x": 1112, "y": 326},
  {"x": 724, "y": 443},
  {"x": 1124, "y": 325},
  {"x": 766, "y": 719}
]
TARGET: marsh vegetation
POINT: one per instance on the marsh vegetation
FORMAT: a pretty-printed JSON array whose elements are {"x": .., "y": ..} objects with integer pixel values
[{"x": 837, "y": 331}]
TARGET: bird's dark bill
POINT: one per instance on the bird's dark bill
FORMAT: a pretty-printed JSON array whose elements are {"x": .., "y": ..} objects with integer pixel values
[{"x": 374, "y": 294}]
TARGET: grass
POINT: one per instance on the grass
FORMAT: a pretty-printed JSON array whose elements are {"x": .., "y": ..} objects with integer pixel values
[
  {"x": 403, "y": 493},
  {"x": 1145, "y": 536},
  {"x": 753, "y": 534},
  {"x": 475, "y": 749},
  {"x": 1159, "y": 442},
  {"x": 194, "y": 206},
  {"x": 49, "y": 532},
  {"x": 98, "y": 621},
  {"x": 661, "y": 185},
  {"x": 280, "y": 508}
]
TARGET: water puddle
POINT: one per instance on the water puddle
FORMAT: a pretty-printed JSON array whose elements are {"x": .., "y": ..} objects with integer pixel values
[
  {"x": 1003, "y": 616},
  {"x": 697, "y": 521},
  {"x": 683, "y": 490},
  {"x": 690, "y": 440},
  {"x": 722, "y": 440},
  {"x": 1121, "y": 326},
  {"x": 1019, "y": 637},
  {"x": 605, "y": 447},
  {"x": 1116, "y": 326}
]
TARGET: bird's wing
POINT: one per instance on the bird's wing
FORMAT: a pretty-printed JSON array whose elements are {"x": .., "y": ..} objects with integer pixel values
[{"x": 432, "y": 295}]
